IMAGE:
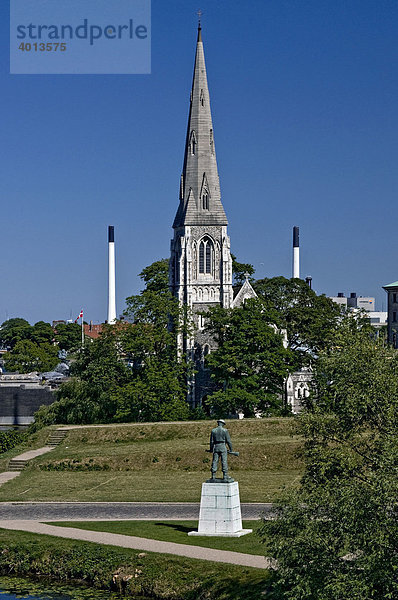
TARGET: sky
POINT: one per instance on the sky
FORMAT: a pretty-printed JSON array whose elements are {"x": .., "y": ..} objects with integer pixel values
[{"x": 304, "y": 105}]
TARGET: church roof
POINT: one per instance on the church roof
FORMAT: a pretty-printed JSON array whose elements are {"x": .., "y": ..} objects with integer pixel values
[
  {"x": 391, "y": 285},
  {"x": 246, "y": 292},
  {"x": 200, "y": 196}
]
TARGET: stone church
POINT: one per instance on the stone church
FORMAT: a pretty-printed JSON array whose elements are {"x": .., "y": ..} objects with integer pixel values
[
  {"x": 200, "y": 274},
  {"x": 200, "y": 264}
]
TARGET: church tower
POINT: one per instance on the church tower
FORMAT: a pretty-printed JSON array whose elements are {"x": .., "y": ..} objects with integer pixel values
[{"x": 200, "y": 264}]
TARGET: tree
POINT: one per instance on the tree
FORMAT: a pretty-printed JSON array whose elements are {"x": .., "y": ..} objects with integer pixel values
[
  {"x": 336, "y": 536},
  {"x": 250, "y": 363},
  {"x": 239, "y": 271},
  {"x": 131, "y": 372},
  {"x": 13, "y": 331},
  {"x": 309, "y": 320},
  {"x": 28, "y": 356},
  {"x": 68, "y": 336},
  {"x": 41, "y": 333},
  {"x": 157, "y": 390},
  {"x": 156, "y": 276}
]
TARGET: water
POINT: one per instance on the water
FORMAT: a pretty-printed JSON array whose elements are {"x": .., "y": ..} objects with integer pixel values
[{"x": 15, "y": 588}]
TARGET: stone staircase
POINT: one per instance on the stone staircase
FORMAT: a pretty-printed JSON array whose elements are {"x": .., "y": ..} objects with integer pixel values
[
  {"x": 16, "y": 464},
  {"x": 56, "y": 437},
  {"x": 19, "y": 462}
]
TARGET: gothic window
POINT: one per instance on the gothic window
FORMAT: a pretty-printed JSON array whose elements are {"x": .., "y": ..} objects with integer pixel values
[
  {"x": 211, "y": 141},
  {"x": 202, "y": 98},
  {"x": 201, "y": 322},
  {"x": 206, "y": 253},
  {"x": 208, "y": 258},
  {"x": 205, "y": 193},
  {"x": 193, "y": 143}
]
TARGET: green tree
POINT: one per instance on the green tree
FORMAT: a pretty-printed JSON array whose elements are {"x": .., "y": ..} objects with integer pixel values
[
  {"x": 13, "y": 331},
  {"x": 156, "y": 276},
  {"x": 68, "y": 336},
  {"x": 132, "y": 371},
  {"x": 28, "y": 356},
  {"x": 41, "y": 333},
  {"x": 157, "y": 390},
  {"x": 239, "y": 271},
  {"x": 336, "y": 536},
  {"x": 309, "y": 320},
  {"x": 250, "y": 363}
]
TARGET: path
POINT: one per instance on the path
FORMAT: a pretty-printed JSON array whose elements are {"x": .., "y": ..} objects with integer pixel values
[
  {"x": 17, "y": 463},
  {"x": 136, "y": 543},
  {"x": 88, "y": 511}
]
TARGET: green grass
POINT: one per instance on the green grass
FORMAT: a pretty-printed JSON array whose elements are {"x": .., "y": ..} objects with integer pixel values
[
  {"x": 133, "y": 574},
  {"x": 175, "y": 531},
  {"x": 158, "y": 462}
]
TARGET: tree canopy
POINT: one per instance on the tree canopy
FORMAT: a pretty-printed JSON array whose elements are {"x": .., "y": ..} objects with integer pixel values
[
  {"x": 27, "y": 356},
  {"x": 336, "y": 536},
  {"x": 250, "y": 363},
  {"x": 131, "y": 372},
  {"x": 310, "y": 320}
]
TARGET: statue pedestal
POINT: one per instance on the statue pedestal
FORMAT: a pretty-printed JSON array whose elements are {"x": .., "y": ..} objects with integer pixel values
[{"x": 220, "y": 513}]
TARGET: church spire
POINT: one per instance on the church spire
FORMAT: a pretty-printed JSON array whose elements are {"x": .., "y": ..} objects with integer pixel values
[{"x": 200, "y": 197}]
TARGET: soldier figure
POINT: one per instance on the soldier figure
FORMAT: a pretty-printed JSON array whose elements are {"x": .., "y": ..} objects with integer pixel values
[{"x": 219, "y": 440}]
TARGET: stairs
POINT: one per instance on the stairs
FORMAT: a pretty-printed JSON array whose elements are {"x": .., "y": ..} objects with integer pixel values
[
  {"x": 16, "y": 464},
  {"x": 56, "y": 437}
]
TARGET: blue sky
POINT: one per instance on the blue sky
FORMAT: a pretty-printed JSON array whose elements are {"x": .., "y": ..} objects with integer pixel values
[{"x": 304, "y": 102}]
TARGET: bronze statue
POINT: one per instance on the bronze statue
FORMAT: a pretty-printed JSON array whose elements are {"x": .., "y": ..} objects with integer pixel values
[{"x": 219, "y": 441}]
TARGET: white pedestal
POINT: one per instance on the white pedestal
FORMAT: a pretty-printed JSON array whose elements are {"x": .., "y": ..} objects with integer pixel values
[{"x": 220, "y": 513}]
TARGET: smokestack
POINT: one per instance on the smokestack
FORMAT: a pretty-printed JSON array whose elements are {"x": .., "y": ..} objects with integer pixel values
[
  {"x": 296, "y": 253},
  {"x": 111, "y": 276}
]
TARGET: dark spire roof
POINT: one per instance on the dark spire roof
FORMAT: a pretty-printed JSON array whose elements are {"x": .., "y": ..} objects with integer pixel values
[{"x": 200, "y": 197}]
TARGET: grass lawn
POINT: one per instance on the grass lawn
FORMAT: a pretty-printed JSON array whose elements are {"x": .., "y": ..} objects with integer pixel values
[
  {"x": 162, "y": 462},
  {"x": 130, "y": 573},
  {"x": 172, "y": 531}
]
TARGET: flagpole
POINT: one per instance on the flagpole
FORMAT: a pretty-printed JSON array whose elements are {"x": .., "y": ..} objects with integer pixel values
[{"x": 82, "y": 331}]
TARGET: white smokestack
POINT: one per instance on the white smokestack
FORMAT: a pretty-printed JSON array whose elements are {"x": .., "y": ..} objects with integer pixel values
[
  {"x": 296, "y": 253},
  {"x": 111, "y": 276}
]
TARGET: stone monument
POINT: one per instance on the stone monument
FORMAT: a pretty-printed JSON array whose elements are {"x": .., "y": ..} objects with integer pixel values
[{"x": 220, "y": 513}]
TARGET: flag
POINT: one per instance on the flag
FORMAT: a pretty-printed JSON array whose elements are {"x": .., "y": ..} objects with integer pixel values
[{"x": 79, "y": 317}]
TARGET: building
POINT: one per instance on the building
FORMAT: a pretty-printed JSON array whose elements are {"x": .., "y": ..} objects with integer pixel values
[
  {"x": 392, "y": 311},
  {"x": 366, "y": 303},
  {"x": 21, "y": 395},
  {"x": 298, "y": 388},
  {"x": 93, "y": 331},
  {"x": 200, "y": 273}
]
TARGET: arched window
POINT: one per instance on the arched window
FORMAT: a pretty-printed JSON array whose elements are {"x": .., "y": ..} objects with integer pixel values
[
  {"x": 208, "y": 258},
  {"x": 206, "y": 253},
  {"x": 202, "y": 98},
  {"x": 193, "y": 143},
  {"x": 205, "y": 200}
]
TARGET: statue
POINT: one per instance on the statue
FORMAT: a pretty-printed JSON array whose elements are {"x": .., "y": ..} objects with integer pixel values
[{"x": 219, "y": 440}]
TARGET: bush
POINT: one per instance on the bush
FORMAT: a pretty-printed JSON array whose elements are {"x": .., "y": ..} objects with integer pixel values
[{"x": 10, "y": 439}]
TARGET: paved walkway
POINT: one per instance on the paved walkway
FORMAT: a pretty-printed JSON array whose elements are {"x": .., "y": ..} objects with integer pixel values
[
  {"x": 136, "y": 543},
  {"x": 8, "y": 475},
  {"x": 103, "y": 511}
]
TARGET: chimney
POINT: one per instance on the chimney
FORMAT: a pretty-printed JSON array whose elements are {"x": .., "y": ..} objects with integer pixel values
[
  {"x": 296, "y": 254},
  {"x": 111, "y": 276}
]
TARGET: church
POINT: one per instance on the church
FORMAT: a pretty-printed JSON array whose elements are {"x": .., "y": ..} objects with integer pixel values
[{"x": 200, "y": 273}]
